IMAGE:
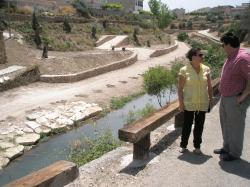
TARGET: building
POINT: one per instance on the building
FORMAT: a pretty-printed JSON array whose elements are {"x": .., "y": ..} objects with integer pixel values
[{"x": 133, "y": 6}]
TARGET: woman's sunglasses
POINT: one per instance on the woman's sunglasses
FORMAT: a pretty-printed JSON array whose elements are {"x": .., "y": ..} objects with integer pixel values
[{"x": 200, "y": 55}]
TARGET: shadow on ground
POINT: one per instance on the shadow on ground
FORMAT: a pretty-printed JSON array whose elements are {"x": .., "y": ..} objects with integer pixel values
[
  {"x": 155, "y": 150},
  {"x": 237, "y": 167},
  {"x": 194, "y": 158}
]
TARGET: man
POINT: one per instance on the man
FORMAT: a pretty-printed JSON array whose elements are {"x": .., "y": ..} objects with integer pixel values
[{"x": 235, "y": 97}]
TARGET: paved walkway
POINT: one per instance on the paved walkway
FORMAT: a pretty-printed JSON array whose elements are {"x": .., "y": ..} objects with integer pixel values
[
  {"x": 113, "y": 42},
  {"x": 169, "y": 167}
]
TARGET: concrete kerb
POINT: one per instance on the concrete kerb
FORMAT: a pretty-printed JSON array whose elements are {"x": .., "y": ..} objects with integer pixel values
[
  {"x": 160, "y": 52},
  {"x": 89, "y": 73}
]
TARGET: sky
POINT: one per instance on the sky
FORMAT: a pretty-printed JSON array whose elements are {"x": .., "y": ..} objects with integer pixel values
[{"x": 190, "y": 5}]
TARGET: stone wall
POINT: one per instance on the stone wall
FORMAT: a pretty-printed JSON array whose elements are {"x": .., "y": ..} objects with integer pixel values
[
  {"x": 32, "y": 74},
  {"x": 89, "y": 73},
  {"x": 160, "y": 52}
]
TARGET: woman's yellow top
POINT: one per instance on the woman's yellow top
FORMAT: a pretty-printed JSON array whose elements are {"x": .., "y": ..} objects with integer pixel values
[{"x": 195, "y": 90}]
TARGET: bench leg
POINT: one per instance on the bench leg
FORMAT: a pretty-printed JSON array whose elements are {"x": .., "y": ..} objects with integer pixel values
[
  {"x": 179, "y": 120},
  {"x": 141, "y": 148}
]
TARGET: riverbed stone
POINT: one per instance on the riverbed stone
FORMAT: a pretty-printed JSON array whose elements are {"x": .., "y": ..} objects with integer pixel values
[
  {"x": 6, "y": 145},
  {"x": 28, "y": 139},
  {"x": 13, "y": 152},
  {"x": 33, "y": 125},
  {"x": 64, "y": 121},
  {"x": 78, "y": 117},
  {"x": 3, "y": 161},
  {"x": 52, "y": 115},
  {"x": 27, "y": 130},
  {"x": 42, "y": 129},
  {"x": 33, "y": 117}
]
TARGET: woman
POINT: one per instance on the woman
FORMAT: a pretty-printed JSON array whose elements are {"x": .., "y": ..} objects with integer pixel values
[{"x": 195, "y": 96}]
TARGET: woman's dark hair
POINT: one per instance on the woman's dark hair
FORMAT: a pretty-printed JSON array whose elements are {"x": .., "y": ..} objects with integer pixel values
[
  {"x": 192, "y": 52},
  {"x": 231, "y": 39}
]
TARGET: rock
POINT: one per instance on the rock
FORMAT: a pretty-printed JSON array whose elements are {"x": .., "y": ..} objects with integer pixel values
[
  {"x": 52, "y": 115},
  {"x": 19, "y": 132},
  {"x": 27, "y": 130},
  {"x": 54, "y": 126},
  {"x": 42, "y": 120},
  {"x": 28, "y": 139},
  {"x": 33, "y": 117},
  {"x": 14, "y": 152},
  {"x": 42, "y": 129},
  {"x": 3, "y": 162},
  {"x": 32, "y": 124},
  {"x": 78, "y": 117},
  {"x": 6, "y": 145},
  {"x": 64, "y": 121}
]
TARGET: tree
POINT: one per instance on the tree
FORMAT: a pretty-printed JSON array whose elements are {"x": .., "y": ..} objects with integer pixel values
[
  {"x": 37, "y": 29},
  {"x": 154, "y": 6},
  {"x": 3, "y": 57},
  {"x": 245, "y": 23},
  {"x": 81, "y": 8},
  {"x": 157, "y": 80},
  {"x": 165, "y": 17},
  {"x": 66, "y": 25},
  {"x": 35, "y": 24},
  {"x": 93, "y": 32},
  {"x": 135, "y": 33}
]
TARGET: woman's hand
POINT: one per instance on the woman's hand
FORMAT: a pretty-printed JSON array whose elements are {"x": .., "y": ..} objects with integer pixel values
[{"x": 181, "y": 107}]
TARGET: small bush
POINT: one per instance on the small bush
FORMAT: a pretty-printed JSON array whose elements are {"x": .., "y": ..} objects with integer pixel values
[
  {"x": 157, "y": 80},
  {"x": 182, "y": 36},
  {"x": 27, "y": 10},
  {"x": 83, "y": 152},
  {"x": 67, "y": 10}
]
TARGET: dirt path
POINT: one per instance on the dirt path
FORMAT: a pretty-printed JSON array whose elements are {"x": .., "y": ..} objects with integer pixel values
[{"x": 97, "y": 89}]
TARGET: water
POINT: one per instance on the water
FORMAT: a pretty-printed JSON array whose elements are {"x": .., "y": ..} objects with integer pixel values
[{"x": 58, "y": 147}]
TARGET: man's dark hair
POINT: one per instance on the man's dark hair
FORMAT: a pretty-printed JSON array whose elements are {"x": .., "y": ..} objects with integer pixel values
[
  {"x": 231, "y": 39},
  {"x": 192, "y": 52}
]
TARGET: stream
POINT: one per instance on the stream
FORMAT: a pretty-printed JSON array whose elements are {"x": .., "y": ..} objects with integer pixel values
[{"x": 58, "y": 147}]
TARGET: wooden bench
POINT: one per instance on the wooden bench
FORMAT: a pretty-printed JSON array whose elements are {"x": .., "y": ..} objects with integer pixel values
[
  {"x": 138, "y": 132},
  {"x": 56, "y": 175}
]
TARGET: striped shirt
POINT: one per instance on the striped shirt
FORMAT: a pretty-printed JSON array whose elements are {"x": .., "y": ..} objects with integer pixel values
[{"x": 235, "y": 73}]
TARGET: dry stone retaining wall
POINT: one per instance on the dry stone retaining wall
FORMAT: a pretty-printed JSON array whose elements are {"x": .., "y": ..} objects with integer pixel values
[
  {"x": 160, "y": 52},
  {"x": 19, "y": 77},
  {"x": 89, "y": 73}
]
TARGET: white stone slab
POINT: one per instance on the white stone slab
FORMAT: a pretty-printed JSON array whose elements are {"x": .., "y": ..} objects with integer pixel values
[
  {"x": 6, "y": 145},
  {"x": 28, "y": 139},
  {"x": 11, "y": 70},
  {"x": 3, "y": 162},
  {"x": 32, "y": 124},
  {"x": 14, "y": 152}
]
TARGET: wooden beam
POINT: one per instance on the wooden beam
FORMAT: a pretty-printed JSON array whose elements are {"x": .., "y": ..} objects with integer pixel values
[
  {"x": 139, "y": 129},
  {"x": 58, "y": 174}
]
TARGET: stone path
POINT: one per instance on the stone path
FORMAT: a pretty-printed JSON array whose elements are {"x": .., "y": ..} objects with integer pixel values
[{"x": 114, "y": 42}]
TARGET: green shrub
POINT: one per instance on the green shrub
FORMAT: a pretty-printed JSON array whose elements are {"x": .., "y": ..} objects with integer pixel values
[
  {"x": 182, "y": 36},
  {"x": 157, "y": 80},
  {"x": 81, "y": 155}
]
